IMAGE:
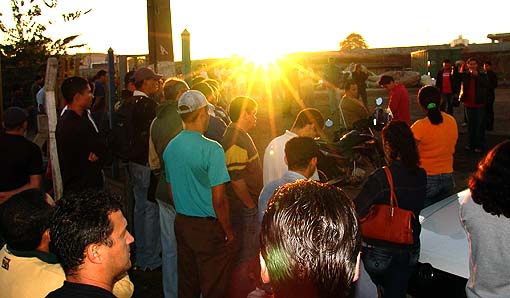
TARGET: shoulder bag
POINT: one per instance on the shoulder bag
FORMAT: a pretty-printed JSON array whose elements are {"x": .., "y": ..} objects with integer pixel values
[{"x": 388, "y": 222}]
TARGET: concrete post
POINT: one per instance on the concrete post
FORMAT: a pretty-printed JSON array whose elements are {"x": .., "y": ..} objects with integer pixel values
[{"x": 186, "y": 56}]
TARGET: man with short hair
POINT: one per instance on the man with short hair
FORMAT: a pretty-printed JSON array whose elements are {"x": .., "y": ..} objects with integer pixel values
[
  {"x": 196, "y": 174},
  {"x": 351, "y": 109},
  {"x": 245, "y": 170},
  {"x": 29, "y": 269},
  {"x": 445, "y": 82},
  {"x": 301, "y": 158},
  {"x": 145, "y": 214},
  {"x": 82, "y": 152},
  {"x": 164, "y": 128},
  {"x": 217, "y": 126},
  {"x": 308, "y": 123},
  {"x": 473, "y": 95},
  {"x": 20, "y": 160},
  {"x": 297, "y": 261},
  {"x": 399, "y": 98},
  {"x": 331, "y": 80}
]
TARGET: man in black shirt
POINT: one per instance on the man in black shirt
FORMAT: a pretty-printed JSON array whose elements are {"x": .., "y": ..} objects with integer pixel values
[
  {"x": 20, "y": 160},
  {"x": 89, "y": 236},
  {"x": 82, "y": 151}
]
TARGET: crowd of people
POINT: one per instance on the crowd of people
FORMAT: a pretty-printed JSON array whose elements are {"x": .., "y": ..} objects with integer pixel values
[{"x": 219, "y": 220}]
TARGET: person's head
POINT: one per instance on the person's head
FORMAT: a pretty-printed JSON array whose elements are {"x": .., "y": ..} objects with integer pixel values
[
  {"x": 206, "y": 90},
  {"x": 101, "y": 76},
  {"x": 472, "y": 64},
  {"x": 76, "y": 91},
  {"x": 173, "y": 88},
  {"x": 301, "y": 155},
  {"x": 197, "y": 79},
  {"x": 194, "y": 110},
  {"x": 310, "y": 241},
  {"x": 89, "y": 236},
  {"x": 386, "y": 82},
  {"x": 487, "y": 66},
  {"x": 447, "y": 65},
  {"x": 490, "y": 185},
  {"x": 147, "y": 81},
  {"x": 129, "y": 81},
  {"x": 15, "y": 119},
  {"x": 351, "y": 89},
  {"x": 429, "y": 98},
  {"x": 399, "y": 144},
  {"x": 309, "y": 122},
  {"x": 243, "y": 111},
  {"x": 331, "y": 60},
  {"x": 25, "y": 219}
]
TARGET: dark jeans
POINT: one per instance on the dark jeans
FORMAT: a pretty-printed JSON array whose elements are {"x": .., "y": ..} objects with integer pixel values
[
  {"x": 447, "y": 103},
  {"x": 204, "y": 260},
  {"x": 489, "y": 113},
  {"x": 390, "y": 268},
  {"x": 476, "y": 127}
]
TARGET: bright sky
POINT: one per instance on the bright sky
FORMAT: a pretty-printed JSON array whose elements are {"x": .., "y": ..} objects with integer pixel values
[{"x": 220, "y": 28}]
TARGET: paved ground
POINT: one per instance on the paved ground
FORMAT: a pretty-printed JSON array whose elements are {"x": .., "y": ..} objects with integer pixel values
[{"x": 271, "y": 122}]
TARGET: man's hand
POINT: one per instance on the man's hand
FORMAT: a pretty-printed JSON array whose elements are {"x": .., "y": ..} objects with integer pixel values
[{"x": 4, "y": 196}]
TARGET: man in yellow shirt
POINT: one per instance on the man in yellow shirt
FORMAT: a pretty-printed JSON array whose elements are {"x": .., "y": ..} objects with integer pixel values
[{"x": 351, "y": 108}]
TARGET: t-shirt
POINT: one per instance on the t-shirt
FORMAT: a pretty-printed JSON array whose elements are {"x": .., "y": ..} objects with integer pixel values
[
  {"x": 75, "y": 290},
  {"x": 243, "y": 162},
  {"x": 351, "y": 110},
  {"x": 193, "y": 165},
  {"x": 19, "y": 159},
  {"x": 399, "y": 104},
  {"x": 447, "y": 84},
  {"x": 436, "y": 144}
]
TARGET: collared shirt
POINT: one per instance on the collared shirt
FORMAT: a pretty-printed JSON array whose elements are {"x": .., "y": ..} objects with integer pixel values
[
  {"x": 271, "y": 187},
  {"x": 274, "y": 158}
]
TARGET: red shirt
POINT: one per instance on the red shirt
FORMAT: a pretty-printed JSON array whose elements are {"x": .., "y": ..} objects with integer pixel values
[
  {"x": 470, "y": 97},
  {"x": 447, "y": 85},
  {"x": 399, "y": 104}
]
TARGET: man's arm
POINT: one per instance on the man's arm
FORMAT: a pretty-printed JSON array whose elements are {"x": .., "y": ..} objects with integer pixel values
[
  {"x": 170, "y": 196},
  {"x": 241, "y": 190},
  {"x": 221, "y": 207},
  {"x": 35, "y": 182}
]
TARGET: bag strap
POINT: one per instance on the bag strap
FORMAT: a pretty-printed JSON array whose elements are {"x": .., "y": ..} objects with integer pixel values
[{"x": 393, "y": 197}]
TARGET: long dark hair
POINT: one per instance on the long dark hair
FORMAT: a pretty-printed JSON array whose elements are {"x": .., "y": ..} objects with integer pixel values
[
  {"x": 429, "y": 98},
  {"x": 398, "y": 141}
]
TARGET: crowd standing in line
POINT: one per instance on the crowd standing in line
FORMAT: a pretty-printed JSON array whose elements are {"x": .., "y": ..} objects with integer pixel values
[{"x": 200, "y": 201}]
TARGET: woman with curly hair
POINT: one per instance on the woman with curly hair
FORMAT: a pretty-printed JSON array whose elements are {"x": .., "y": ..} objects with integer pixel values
[
  {"x": 436, "y": 136},
  {"x": 485, "y": 215},
  {"x": 390, "y": 265}
]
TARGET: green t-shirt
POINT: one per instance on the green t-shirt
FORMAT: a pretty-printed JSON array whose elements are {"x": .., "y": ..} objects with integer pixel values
[{"x": 194, "y": 164}]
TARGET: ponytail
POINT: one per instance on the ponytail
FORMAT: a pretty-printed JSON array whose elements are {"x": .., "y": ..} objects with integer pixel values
[{"x": 429, "y": 98}]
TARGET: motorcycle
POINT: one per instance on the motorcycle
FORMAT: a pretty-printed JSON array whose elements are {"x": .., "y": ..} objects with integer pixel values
[{"x": 349, "y": 161}]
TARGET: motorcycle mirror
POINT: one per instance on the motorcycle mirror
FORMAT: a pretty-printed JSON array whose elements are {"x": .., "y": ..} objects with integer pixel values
[
  {"x": 328, "y": 123},
  {"x": 379, "y": 101}
]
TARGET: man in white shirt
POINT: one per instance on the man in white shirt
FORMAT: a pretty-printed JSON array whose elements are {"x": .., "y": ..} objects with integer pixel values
[{"x": 308, "y": 123}]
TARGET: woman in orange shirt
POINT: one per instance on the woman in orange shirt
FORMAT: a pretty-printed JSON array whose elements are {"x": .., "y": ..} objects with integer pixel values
[{"x": 436, "y": 136}]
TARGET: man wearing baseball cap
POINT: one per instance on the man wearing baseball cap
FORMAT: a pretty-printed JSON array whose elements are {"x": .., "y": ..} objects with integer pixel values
[
  {"x": 196, "y": 175},
  {"x": 146, "y": 213},
  {"x": 20, "y": 160}
]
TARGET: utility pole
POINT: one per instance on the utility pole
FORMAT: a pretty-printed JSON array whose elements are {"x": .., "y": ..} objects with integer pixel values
[{"x": 159, "y": 23}]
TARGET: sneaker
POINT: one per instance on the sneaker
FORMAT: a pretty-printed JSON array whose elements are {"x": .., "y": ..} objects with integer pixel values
[
  {"x": 464, "y": 124},
  {"x": 467, "y": 148},
  {"x": 478, "y": 150}
]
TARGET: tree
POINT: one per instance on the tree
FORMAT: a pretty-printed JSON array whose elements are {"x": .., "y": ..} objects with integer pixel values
[
  {"x": 353, "y": 41},
  {"x": 26, "y": 42}
]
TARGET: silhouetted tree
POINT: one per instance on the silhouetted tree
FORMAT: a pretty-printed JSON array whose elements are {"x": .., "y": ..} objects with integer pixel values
[{"x": 353, "y": 41}]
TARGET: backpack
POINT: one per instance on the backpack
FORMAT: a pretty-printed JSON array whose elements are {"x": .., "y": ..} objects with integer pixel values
[{"x": 121, "y": 138}]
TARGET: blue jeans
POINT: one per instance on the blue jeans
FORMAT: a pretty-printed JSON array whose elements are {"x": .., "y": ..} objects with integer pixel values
[
  {"x": 390, "y": 269},
  {"x": 168, "y": 248},
  {"x": 476, "y": 127},
  {"x": 438, "y": 187},
  {"x": 146, "y": 218}
]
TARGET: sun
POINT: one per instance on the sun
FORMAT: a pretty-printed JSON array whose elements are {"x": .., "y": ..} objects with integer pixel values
[{"x": 261, "y": 57}]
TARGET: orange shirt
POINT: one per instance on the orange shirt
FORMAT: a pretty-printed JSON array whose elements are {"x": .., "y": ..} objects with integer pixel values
[{"x": 436, "y": 144}]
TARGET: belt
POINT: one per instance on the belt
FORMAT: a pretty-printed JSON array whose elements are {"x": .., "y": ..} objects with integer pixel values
[{"x": 209, "y": 218}]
